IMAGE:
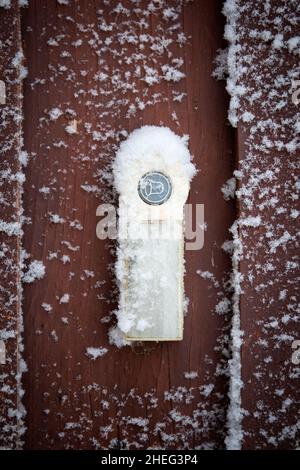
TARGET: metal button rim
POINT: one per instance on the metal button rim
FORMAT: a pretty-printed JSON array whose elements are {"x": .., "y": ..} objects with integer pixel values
[{"x": 166, "y": 198}]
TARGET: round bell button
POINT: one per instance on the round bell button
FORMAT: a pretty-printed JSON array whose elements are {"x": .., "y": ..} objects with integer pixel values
[{"x": 155, "y": 188}]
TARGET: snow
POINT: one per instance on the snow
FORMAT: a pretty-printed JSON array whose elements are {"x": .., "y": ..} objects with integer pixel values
[
  {"x": 147, "y": 142},
  {"x": 90, "y": 188},
  {"x": 221, "y": 67},
  {"x": 70, "y": 246},
  {"x": 251, "y": 221},
  {"x": 274, "y": 244},
  {"x": 47, "y": 307},
  {"x": 247, "y": 116},
  {"x": 65, "y": 259},
  {"x": 117, "y": 338},
  {"x": 231, "y": 11},
  {"x": 55, "y": 218},
  {"x": 151, "y": 76},
  {"x": 208, "y": 276},
  {"x": 206, "y": 390},
  {"x": 17, "y": 62},
  {"x": 76, "y": 224},
  {"x": 71, "y": 128},
  {"x": 5, "y": 3},
  {"x": 172, "y": 74},
  {"x": 23, "y": 158},
  {"x": 234, "y": 413},
  {"x": 191, "y": 375},
  {"x": 223, "y": 306},
  {"x": 293, "y": 43},
  {"x": 294, "y": 213},
  {"x": 228, "y": 189},
  {"x": 36, "y": 271},
  {"x": 55, "y": 113},
  {"x": 95, "y": 353},
  {"x": 11, "y": 228},
  {"x": 54, "y": 336},
  {"x": 64, "y": 299}
]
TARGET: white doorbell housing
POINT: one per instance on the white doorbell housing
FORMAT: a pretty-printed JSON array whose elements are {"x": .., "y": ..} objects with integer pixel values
[{"x": 152, "y": 172}]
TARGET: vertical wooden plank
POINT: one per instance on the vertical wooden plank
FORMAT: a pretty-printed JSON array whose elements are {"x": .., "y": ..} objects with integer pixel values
[
  {"x": 265, "y": 66},
  {"x": 11, "y": 72},
  {"x": 96, "y": 72}
]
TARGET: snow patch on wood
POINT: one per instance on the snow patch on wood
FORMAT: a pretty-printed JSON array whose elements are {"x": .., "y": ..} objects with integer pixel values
[
  {"x": 95, "y": 353},
  {"x": 36, "y": 270}
]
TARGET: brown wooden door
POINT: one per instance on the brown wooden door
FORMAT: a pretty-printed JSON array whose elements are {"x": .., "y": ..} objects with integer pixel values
[{"x": 96, "y": 72}]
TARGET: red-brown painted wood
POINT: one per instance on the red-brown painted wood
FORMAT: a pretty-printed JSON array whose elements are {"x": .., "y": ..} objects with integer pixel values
[
  {"x": 139, "y": 397},
  {"x": 10, "y": 231},
  {"x": 269, "y": 171}
]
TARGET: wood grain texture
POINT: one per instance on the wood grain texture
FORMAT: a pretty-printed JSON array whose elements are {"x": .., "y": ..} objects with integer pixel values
[
  {"x": 267, "y": 186},
  {"x": 133, "y": 397},
  {"x": 11, "y": 412}
]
